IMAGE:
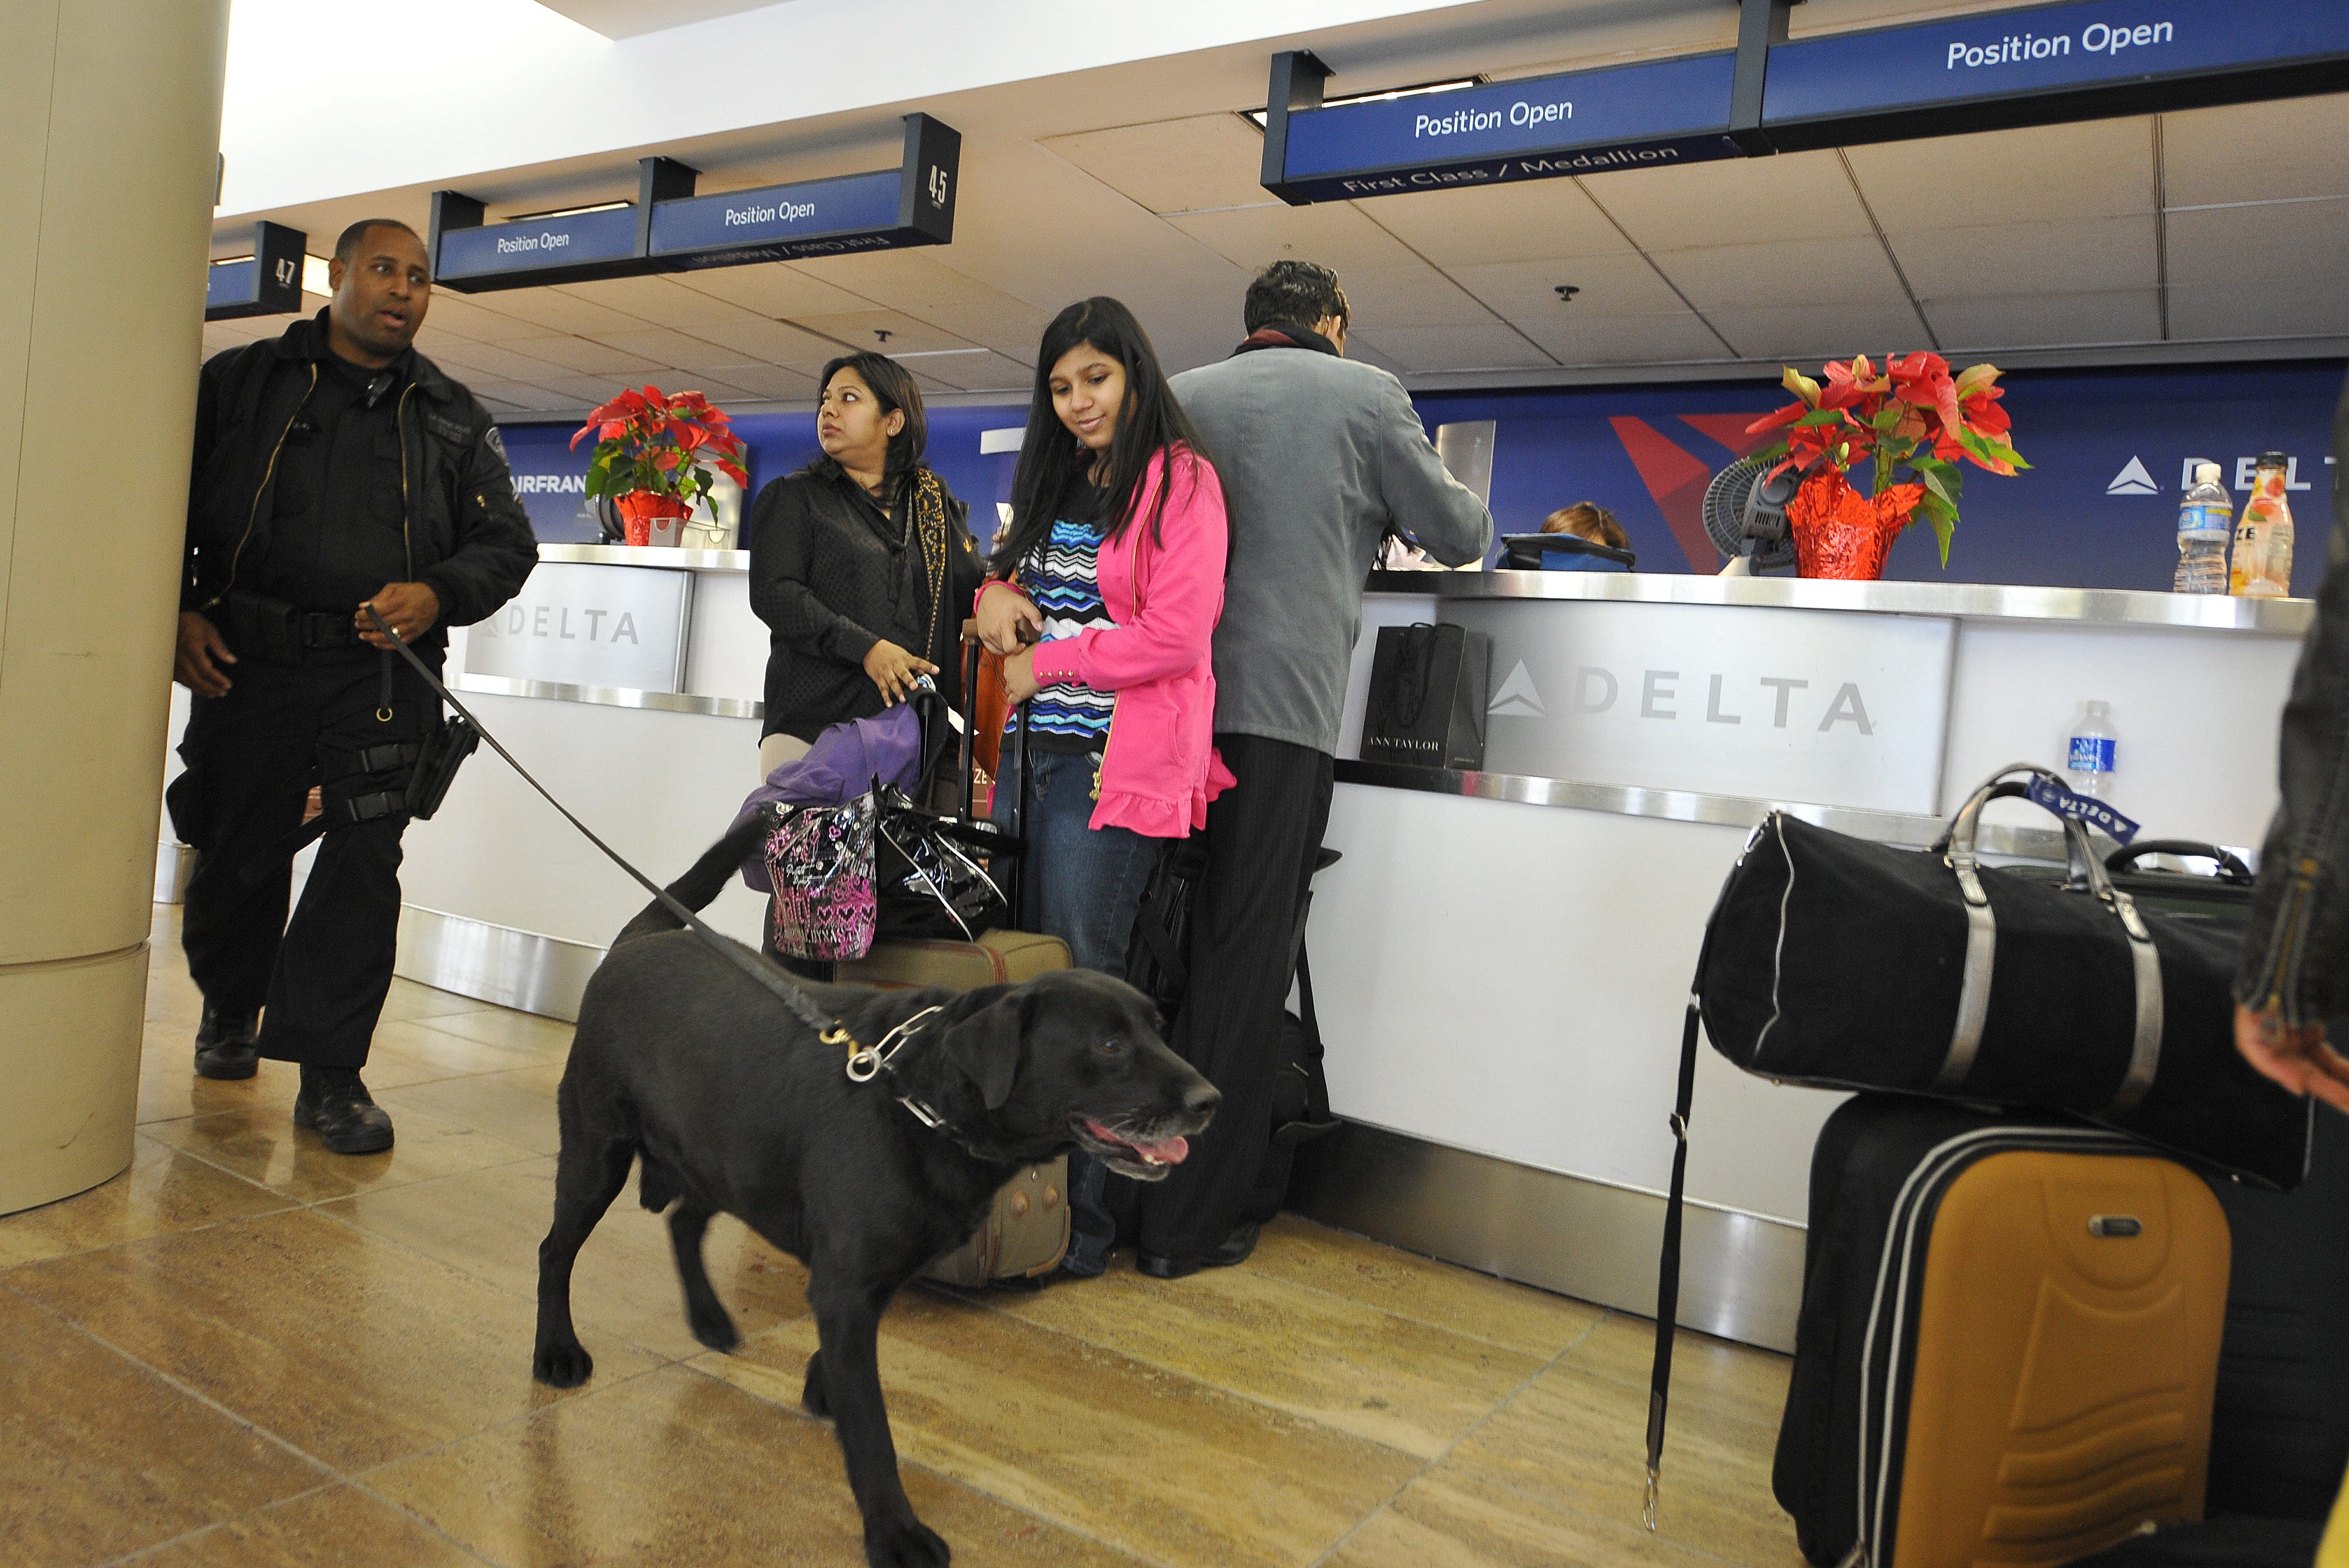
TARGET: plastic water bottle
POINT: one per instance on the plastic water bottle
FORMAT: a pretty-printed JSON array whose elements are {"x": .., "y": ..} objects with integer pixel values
[
  {"x": 2088, "y": 760},
  {"x": 2262, "y": 567},
  {"x": 2205, "y": 521}
]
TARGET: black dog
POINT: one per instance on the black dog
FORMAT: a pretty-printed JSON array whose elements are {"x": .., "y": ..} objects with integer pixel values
[{"x": 733, "y": 1104}]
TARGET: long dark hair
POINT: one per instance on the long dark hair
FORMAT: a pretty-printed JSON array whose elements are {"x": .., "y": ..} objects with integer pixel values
[
  {"x": 896, "y": 388},
  {"x": 1151, "y": 423}
]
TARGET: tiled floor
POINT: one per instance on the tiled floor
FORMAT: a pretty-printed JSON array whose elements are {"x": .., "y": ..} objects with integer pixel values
[{"x": 246, "y": 1351}]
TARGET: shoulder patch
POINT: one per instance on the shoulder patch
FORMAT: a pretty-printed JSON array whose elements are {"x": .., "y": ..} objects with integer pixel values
[{"x": 495, "y": 443}]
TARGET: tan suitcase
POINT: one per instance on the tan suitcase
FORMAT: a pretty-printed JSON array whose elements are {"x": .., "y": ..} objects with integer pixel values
[{"x": 1027, "y": 1231}]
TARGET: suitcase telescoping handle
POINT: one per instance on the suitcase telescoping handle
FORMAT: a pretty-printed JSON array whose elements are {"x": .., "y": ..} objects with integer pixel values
[{"x": 2231, "y": 870}]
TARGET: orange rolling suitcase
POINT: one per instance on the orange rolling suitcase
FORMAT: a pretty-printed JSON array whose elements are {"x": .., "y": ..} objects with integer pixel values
[{"x": 2009, "y": 1343}]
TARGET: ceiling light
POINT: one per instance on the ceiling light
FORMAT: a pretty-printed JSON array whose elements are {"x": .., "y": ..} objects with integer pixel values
[
  {"x": 313, "y": 277},
  {"x": 1454, "y": 85},
  {"x": 564, "y": 212},
  {"x": 1565, "y": 292}
]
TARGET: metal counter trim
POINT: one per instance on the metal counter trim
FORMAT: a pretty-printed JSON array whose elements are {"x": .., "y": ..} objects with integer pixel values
[
  {"x": 522, "y": 970},
  {"x": 1688, "y": 805},
  {"x": 1741, "y": 1275},
  {"x": 613, "y": 696},
  {"x": 665, "y": 558},
  {"x": 1962, "y": 601}
]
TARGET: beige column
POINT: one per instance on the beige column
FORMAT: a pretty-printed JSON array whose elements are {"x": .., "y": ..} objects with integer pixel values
[{"x": 110, "y": 122}]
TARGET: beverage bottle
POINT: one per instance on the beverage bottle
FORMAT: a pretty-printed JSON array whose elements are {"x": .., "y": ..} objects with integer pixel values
[
  {"x": 2262, "y": 567},
  {"x": 2205, "y": 521},
  {"x": 2088, "y": 760}
]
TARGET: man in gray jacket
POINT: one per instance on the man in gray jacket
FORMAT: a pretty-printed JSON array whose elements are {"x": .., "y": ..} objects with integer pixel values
[{"x": 1320, "y": 457}]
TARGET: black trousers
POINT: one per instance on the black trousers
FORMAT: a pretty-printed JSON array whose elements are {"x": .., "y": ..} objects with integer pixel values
[
  {"x": 252, "y": 757},
  {"x": 1263, "y": 835}
]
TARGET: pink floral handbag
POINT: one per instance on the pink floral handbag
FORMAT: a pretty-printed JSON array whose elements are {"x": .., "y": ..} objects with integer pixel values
[{"x": 820, "y": 858}]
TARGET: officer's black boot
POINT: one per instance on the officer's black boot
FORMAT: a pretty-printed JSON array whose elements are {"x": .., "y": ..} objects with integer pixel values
[
  {"x": 224, "y": 1045},
  {"x": 338, "y": 1105}
]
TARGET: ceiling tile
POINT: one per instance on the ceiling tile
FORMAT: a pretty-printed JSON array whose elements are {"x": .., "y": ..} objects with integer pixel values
[
  {"x": 1526, "y": 292},
  {"x": 662, "y": 346},
  {"x": 1810, "y": 334},
  {"x": 665, "y": 300},
  {"x": 586, "y": 390},
  {"x": 2256, "y": 152},
  {"x": 1333, "y": 234},
  {"x": 555, "y": 310},
  {"x": 772, "y": 289},
  {"x": 863, "y": 329},
  {"x": 1174, "y": 165},
  {"x": 777, "y": 343},
  {"x": 923, "y": 284},
  {"x": 2046, "y": 320},
  {"x": 2295, "y": 247},
  {"x": 499, "y": 361},
  {"x": 2095, "y": 169},
  {"x": 2204, "y": 311},
  {"x": 1529, "y": 220},
  {"x": 1850, "y": 269},
  {"x": 770, "y": 381},
  {"x": 1793, "y": 196},
  {"x": 1391, "y": 297},
  {"x": 2078, "y": 256},
  {"x": 1496, "y": 346},
  {"x": 531, "y": 399},
  {"x": 471, "y": 316},
  {"x": 1015, "y": 196},
  {"x": 584, "y": 357},
  {"x": 1673, "y": 339},
  {"x": 983, "y": 371}
]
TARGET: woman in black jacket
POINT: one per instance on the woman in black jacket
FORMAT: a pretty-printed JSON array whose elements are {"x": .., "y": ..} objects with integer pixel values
[{"x": 861, "y": 563}]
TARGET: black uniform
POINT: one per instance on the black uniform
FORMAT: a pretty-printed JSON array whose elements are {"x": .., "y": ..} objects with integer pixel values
[
  {"x": 832, "y": 574},
  {"x": 316, "y": 481}
]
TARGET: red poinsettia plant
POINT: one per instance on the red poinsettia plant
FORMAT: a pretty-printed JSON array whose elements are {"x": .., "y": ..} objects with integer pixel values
[
  {"x": 1912, "y": 420},
  {"x": 650, "y": 442}
]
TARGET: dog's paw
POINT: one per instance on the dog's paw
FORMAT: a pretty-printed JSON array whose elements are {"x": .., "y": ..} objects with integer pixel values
[
  {"x": 812, "y": 1396},
  {"x": 561, "y": 1364},
  {"x": 713, "y": 1328},
  {"x": 906, "y": 1544}
]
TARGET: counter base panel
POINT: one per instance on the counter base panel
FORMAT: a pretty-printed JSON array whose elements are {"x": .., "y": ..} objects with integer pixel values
[
  {"x": 1741, "y": 1275},
  {"x": 521, "y": 970}
]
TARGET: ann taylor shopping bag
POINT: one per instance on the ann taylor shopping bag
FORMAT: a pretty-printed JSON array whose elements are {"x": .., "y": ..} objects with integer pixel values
[{"x": 1427, "y": 697}]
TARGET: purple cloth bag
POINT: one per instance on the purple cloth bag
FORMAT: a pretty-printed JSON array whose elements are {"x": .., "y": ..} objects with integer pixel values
[{"x": 842, "y": 764}]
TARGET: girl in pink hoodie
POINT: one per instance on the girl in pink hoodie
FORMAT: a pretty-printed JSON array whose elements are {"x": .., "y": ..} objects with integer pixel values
[{"x": 1104, "y": 595}]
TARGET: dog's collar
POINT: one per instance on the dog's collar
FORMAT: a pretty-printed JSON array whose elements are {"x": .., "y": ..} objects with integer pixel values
[{"x": 866, "y": 1063}]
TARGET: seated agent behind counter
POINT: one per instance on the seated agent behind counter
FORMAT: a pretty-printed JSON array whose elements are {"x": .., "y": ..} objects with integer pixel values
[{"x": 336, "y": 468}]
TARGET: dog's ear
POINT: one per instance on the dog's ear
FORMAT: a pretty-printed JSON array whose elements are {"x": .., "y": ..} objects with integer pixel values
[{"x": 986, "y": 1046}]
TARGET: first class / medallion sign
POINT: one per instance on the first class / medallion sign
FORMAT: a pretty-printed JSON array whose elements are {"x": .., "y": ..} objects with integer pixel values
[{"x": 1583, "y": 122}]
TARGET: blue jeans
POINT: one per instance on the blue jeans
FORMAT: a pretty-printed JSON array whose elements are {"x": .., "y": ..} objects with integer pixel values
[{"x": 1084, "y": 886}]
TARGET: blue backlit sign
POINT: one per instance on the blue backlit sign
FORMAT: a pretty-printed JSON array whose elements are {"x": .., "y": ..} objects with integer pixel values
[
  {"x": 266, "y": 283},
  {"x": 669, "y": 228},
  {"x": 524, "y": 249},
  {"x": 2041, "y": 49},
  {"x": 819, "y": 217},
  {"x": 1583, "y": 122}
]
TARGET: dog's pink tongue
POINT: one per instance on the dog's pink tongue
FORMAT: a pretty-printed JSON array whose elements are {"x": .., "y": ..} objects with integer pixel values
[{"x": 1169, "y": 1150}]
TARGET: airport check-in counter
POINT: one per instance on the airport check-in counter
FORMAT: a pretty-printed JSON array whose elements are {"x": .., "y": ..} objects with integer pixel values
[{"x": 1502, "y": 957}]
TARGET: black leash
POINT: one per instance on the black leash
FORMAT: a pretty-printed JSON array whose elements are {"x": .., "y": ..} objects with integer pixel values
[{"x": 832, "y": 1031}]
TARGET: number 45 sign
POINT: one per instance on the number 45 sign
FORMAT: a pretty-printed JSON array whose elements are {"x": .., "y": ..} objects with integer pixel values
[{"x": 938, "y": 179}]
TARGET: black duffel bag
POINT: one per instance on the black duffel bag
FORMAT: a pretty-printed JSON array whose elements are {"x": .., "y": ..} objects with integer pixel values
[{"x": 1840, "y": 964}]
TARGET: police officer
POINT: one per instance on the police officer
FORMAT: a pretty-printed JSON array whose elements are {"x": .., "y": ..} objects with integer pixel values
[{"x": 335, "y": 469}]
